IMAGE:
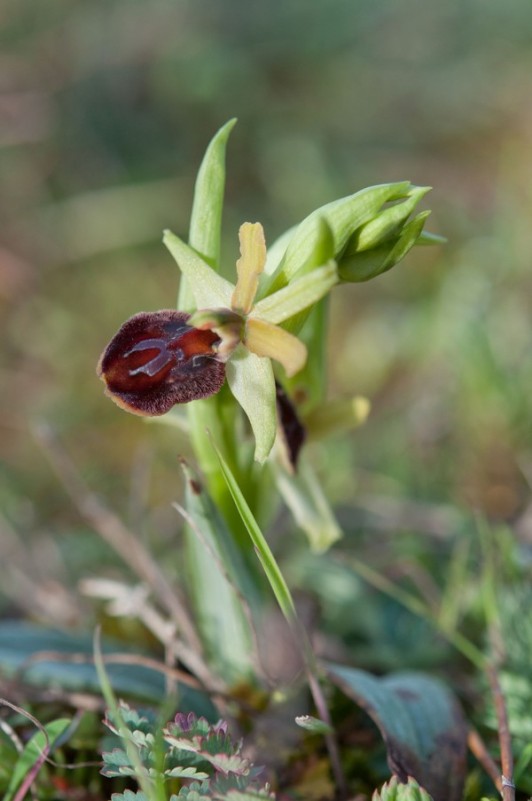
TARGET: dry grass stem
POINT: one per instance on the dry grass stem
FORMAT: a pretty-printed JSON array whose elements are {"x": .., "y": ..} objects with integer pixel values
[
  {"x": 507, "y": 760},
  {"x": 111, "y": 528}
]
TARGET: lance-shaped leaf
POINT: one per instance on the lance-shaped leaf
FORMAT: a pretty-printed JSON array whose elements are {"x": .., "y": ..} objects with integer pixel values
[
  {"x": 210, "y": 290},
  {"x": 298, "y": 295},
  {"x": 421, "y": 723},
  {"x": 251, "y": 381},
  {"x": 265, "y": 339},
  {"x": 212, "y": 562},
  {"x": 343, "y": 217},
  {"x": 267, "y": 559},
  {"x": 34, "y": 754},
  {"x": 249, "y": 266}
]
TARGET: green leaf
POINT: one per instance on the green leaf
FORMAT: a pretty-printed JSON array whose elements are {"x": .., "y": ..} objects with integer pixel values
[
  {"x": 186, "y": 773},
  {"x": 299, "y": 295},
  {"x": 395, "y": 791},
  {"x": 33, "y": 752},
  {"x": 209, "y": 289},
  {"x": 130, "y": 795},
  {"x": 214, "y": 569},
  {"x": 19, "y": 641},
  {"x": 264, "y": 552},
  {"x": 251, "y": 381},
  {"x": 304, "y": 496},
  {"x": 206, "y": 218},
  {"x": 343, "y": 217},
  {"x": 314, "y": 725},
  {"x": 421, "y": 723}
]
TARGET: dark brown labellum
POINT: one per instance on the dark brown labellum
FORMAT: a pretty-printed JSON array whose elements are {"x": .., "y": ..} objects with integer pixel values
[{"x": 156, "y": 360}]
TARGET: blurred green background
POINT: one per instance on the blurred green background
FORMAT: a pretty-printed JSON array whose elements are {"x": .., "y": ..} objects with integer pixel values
[{"x": 106, "y": 108}]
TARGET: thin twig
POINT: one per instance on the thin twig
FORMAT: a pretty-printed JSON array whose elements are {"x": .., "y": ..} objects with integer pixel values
[
  {"x": 330, "y": 738},
  {"x": 111, "y": 528},
  {"x": 507, "y": 760},
  {"x": 480, "y": 752}
]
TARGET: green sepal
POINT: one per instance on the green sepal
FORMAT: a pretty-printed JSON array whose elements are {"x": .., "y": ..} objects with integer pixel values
[
  {"x": 208, "y": 288},
  {"x": 251, "y": 381}
]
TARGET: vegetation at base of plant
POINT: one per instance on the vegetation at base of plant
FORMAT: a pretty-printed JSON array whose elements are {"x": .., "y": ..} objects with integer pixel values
[
  {"x": 191, "y": 757},
  {"x": 395, "y": 791}
]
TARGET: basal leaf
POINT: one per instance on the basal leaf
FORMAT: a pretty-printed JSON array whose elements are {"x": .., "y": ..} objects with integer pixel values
[
  {"x": 19, "y": 641},
  {"x": 33, "y": 753},
  {"x": 421, "y": 723},
  {"x": 214, "y": 569}
]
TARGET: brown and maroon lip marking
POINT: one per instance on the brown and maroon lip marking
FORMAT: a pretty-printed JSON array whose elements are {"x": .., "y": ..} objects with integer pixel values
[{"x": 156, "y": 360}]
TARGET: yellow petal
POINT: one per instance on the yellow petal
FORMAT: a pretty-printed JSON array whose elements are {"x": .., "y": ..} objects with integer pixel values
[
  {"x": 266, "y": 339},
  {"x": 249, "y": 266}
]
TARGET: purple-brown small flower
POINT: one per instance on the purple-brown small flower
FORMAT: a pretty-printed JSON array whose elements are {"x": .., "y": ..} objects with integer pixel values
[{"x": 156, "y": 360}]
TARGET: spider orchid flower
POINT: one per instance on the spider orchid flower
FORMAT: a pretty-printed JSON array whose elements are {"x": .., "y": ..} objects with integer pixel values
[{"x": 158, "y": 359}]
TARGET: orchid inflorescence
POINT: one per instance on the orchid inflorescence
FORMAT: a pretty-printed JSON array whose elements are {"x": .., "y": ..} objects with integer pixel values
[{"x": 234, "y": 331}]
